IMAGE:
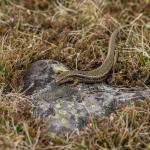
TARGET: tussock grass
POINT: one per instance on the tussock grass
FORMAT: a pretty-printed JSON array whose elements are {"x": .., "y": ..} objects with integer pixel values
[{"x": 76, "y": 33}]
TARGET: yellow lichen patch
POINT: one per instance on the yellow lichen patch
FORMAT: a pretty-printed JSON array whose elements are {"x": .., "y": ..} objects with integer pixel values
[
  {"x": 58, "y": 68},
  {"x": 64, "y": 121},
  {"x": 62, "y": 112},
  {"x": 58, "y": 105}
]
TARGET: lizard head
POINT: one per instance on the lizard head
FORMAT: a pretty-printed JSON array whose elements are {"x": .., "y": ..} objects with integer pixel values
[{"x": 64, "y": 77}]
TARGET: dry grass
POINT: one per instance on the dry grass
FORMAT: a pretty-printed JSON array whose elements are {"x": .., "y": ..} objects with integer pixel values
[
  {"x": 127, "y": 128},
  {"x": 76, "y": 33}
]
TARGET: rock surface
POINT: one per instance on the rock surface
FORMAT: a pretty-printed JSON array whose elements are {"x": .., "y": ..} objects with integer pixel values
[{"x": 67, "y": 107}]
